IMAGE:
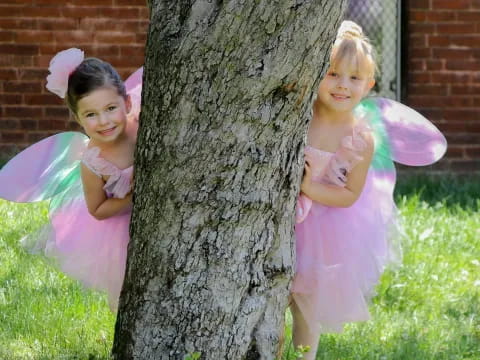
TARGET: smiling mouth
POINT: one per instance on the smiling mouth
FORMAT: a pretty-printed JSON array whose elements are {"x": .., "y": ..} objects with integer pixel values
[
  {"x": 340, "y": 97},
  {"x": 107, "y": 131}
]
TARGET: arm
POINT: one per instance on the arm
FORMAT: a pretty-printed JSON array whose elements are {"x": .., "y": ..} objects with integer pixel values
[
  {"x": 99, "y": 205},
  {"x": 336, "y": 196}
]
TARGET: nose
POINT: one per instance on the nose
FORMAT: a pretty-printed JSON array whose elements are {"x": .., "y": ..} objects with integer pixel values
[
  {"x": 102, "y": 118},
  {"x": 342, "y": 82}
]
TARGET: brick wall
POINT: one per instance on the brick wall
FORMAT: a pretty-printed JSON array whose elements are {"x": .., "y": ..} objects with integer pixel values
[
  {"x": 443, "y": 78},
  {"x": 444, "y": 74},
  {"x": 32, "y": 31}
]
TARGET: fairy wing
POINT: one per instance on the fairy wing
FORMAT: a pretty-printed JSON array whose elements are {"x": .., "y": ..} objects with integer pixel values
[
  {"x": 45, "y": 169},
  {"x": 133, "y": 86},
  {"x": 405, "y": 135},
  {"x": 401, "y": 135}
]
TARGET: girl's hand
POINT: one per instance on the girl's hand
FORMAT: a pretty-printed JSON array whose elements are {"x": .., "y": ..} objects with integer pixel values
[{"x": 307, "y": 178}]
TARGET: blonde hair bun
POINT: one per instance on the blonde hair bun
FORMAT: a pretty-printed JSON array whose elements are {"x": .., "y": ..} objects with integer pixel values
[{"x": 350, "y": 31}]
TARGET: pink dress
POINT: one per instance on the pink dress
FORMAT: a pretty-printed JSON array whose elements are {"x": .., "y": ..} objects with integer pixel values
[
  {"x": 90, "y": 250},
  {"x": 341, "y": 252}
]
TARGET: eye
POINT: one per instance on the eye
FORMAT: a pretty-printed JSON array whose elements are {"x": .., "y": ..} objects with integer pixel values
[
  {"x": 111, "y": 108},
  {"x": 355, "y": 77},
  {"x": 89, "y": 115},
  {"x": 332, "y": 74}
]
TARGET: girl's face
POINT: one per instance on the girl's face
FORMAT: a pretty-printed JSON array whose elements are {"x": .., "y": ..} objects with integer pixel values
[
  {"x": 103, "y": 114},
  {"x": 344, "y": 86}
]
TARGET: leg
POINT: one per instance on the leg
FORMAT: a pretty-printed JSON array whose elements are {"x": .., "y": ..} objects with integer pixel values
[{"x": 301, "y": 332}]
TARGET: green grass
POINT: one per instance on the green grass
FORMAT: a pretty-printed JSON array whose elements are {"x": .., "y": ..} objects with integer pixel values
[{"x": 428, "y": 309}]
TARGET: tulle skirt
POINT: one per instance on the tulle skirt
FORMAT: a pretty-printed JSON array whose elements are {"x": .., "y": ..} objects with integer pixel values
[
  {"x": 89, "y": 250},
  {"x": 341, "y": 253}
]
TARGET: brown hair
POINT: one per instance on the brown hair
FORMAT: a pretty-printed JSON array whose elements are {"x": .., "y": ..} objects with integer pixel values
[{"x": 90, "y": 75}]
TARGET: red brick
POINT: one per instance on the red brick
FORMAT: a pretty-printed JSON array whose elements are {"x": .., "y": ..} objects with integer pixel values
[
  {"x": 436, "y": 16},
  {"x": 467, "y": 28},
  {"x": 22, "y": 112},
  {"x": 6, "y": 36},
  {"x": 10, "y": 99},
  {"x": 12, "y": 137},
  {"x": 120, "y": 13},
  {"x": 471, "y": 16},
  {"x": 417, "y": 15},
  {"x": 32, "y": 74},
  {"x": 80, "y": 12},
  {"x": 460, "y": 114},
  {"x": 476, "y": 4},
  {"x": 416, "y": 65},
  {"x": 465, "y": 165},
  {"x": 464, "y": 40},
  {"x": 451, "y": 77},
  {"x": 428, "y": 89},
  {"x": 20, "y": 61},
  {"x": 418, "y": 77},
  {"x": 52, "y": 124},
  {"x": 11, "y": 11},
  {"x": 473, "y": 127},
  {"x": 42, "y": 11},
  {"x": 22, "y": 87},
  {"x": 417, "y": 40},
  {"x": 75, "y": 38},
  {"x": 43, "y": 99},
  {"x": 428, "y": 101},
  {"x": 420, "y": 4},
  {"x": 452, "y": 53},
  {"x": 455, "y": 152},
  {"x": 140, "y": 3},
  {"x": 8, "y": 74},
  {"x": 57, "y": 112},
  {"x": 466, "y": 89},
  {"x": 57, "y": 24},
  {"x": 9, "y": 124},
  {"x": 472, "y": 152},
  {"x": 435, "y": 65},
  {"x": 451, "y": 5},
  {"x": 422, "y": 28},
  {"x": 132, "y": 50},
  {"x": 37, "y": 136},
  {"x": 117, "y": 37},
  {"x": 29, "y": 124},
  {"x": 420, "y": 53},
  {"x": 466, "y": 65},
  {"x": 18, "y": 49},
  {"x": 13, "y": 24},
  {"x": 93, "y": 2},
  {"x": 438, "y": 40},
  {"x": 33, "y": 36}
]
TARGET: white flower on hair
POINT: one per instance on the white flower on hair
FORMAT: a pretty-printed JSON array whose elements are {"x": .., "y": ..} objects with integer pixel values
[{"x": 61, "y": 66}]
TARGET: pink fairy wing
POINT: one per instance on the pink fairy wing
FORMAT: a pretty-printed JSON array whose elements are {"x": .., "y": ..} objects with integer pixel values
[
  {"x": 133, "y": 85},
  {"x": 412, "y": 139},
  {"x": 44, "y": 169}
]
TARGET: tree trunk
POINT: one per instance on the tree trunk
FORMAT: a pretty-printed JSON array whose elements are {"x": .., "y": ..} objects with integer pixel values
[{"x": 228, "y": 88}]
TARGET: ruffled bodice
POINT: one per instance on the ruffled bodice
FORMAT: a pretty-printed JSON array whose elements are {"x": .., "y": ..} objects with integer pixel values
[
  {"x": 119, "y": 182},
  {"x": 333, "y": 168}
]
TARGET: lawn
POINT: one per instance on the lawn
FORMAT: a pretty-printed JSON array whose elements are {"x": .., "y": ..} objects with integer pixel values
[{"x": 427, "y": 309}]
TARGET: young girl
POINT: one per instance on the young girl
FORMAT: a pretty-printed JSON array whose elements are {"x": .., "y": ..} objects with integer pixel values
[
  {"x": 88, "y": 180},
  {"x": 346, "y": 213}
]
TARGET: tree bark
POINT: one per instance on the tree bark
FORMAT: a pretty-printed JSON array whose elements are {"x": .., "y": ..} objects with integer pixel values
[{"x": 228, "y": 87}]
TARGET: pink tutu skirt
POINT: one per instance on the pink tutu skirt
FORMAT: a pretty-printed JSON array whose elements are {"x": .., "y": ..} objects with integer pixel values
[{"x": 341, "y": 253}]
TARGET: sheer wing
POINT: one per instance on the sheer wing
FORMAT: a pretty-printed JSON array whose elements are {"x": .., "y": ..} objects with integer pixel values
[
  {"x": 401, "y": 135},
  {"x": 133, "y": 85},
  {"x": 406, "y": 136},
  {"x": 45, "y": 169}
]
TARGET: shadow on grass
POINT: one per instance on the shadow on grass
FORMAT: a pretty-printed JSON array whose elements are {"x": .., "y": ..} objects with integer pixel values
[{"x": 452, "y": 190}]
